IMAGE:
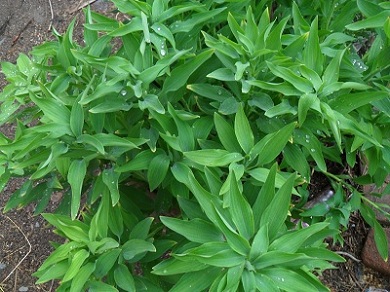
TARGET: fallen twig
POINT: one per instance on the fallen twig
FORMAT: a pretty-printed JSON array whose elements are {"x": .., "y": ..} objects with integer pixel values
[
  {"x": 20, "y": 33},
  {"x": 52, "y": 16},
  {"x": 348, "y": 255},
  {"x": 20, "y": 262},
  {"x": 81, "y": 6}
]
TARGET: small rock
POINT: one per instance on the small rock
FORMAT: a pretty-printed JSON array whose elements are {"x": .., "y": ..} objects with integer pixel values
[
  {"x": 370, "y": 255},
  {"x": 2, "y": 266},
  {"x": 23, "y": 289},
  {"x": 373, "y": 289}
]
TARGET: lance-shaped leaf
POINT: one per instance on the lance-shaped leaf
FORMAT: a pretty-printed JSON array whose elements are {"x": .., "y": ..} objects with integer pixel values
[
  {"x": 292, "y": 240},
  {"x": 243, "y": 130},
  {"x": 196, "y": 230},
  {"x": 77, "y": 119},
  {"x": 110, "y": 179},
  {"x": 265, "y": 196},
  {"x": 276, "y": 212},
  {"x": 226, "y": 134},
  {"x": 180, "y": 74},
  {"x": 302, "y": 84},
  {"x": 240, "y": 210},
  {"x": 312, "y": 54},
  {"x": 123, "y": 278},
  {"x": 174, "y": 266},
  {"x": 157, "y": 171},
  {"x": 268, "y": 148},
  {"x": 213, "y": 157},
  {"x": 76, "y": 174},
  {"x": 82, "y": 277},
  {"x": 77, "y": 260},
  {"x": 134, "y": 247}
]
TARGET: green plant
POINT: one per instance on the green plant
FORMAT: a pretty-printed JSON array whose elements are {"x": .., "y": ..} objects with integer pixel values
[{"x": 178, "y": 137}]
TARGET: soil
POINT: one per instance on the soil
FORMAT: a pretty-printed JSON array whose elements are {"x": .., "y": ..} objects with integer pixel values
[{"x": 25, "y": 239}]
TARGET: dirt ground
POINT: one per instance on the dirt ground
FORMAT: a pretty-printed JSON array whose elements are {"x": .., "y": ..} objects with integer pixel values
[{"x": 24, "y": 238}]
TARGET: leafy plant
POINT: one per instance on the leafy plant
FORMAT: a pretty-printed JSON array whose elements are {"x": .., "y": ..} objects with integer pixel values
[{"x": 184, "y": 141}]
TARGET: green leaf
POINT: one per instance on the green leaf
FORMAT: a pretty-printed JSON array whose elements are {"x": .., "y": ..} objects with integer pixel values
[
  {"x": 56, "y": 272},
  {"x": 141, "y": 229},
  {"x": 295, "y": 158},
  {"x": 115, "y": 220},
  {"x": 76, "y": 174},
  {"x": 264, "y": 283},
  {"x": 91, "y": 140},
  {"x": 248, "y": 280},
  {"x": 302, "y": 84},
  {"x": 284, "y": 88},
  {"x": 123, "y": 278},
  {"x": 157, "y": 171},
  {"x": 186, "y": 136},
  {"x": 196, "y": 230},
  {"x": 243, "y": 131},
  {"x": 268, "y": 148},
  {"x": 306, "y": 101},
  {"x": 72, "y": 229},
  {"x": 260, "y": 243},
  {"x": 240, "y": 210},
  {"x": 312, "y": 54},
  {"x": 98, "y": 225},
  {"x": 313, "y": 146},
  {"x": 222, "y": 74},
  {"x": 110, "y": 179},
  {"x": 114, "y": 140},
  {"x": 375, "y": 21},
  {"x": 292, "y": 240},
  {"x": 195, "y": 281},
  {"x": 277, "y": 257},
  {"x": 64, "y": 54},
  {"x": 53, "y": 110},
  {"x": 134, "y": 247},
  {"x": 98, "y": 286},
  {"x": 226, "y": 134},
  {"x": 106, "y": 261},
  {"x": 266, "y": 194},
  {"x": 180, "y": 74},
  {"x": 217, "y": 254},
  {"x": 213, "y": 157},
  {"x": 381, "y": 241},
  {"x": 289, "y": 280},
  {"x": 348, "y": 102},
  {"x": 140, "y": 162},
  {"x": 173, "y": 266},
  {"x": 77, "y": 261},
  {"x": 276, "y": 212},
  {"x": 77, "y": 119},
  {"x": 82, "y": 277},
  {"x": 151, "y": 102}
]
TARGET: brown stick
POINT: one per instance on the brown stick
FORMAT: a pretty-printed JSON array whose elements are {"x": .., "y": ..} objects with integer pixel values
[
  {"x": 15, "y": 40},
  {"x": 81, "y": 6}
]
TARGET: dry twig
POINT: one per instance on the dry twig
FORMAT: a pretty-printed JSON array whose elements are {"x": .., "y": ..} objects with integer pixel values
[
  {"x": 82, "y": 5},
  {"x": 20, "y": 262},
  {"x": 52, "y": 16},
  {"x": 348, "y": 255}
]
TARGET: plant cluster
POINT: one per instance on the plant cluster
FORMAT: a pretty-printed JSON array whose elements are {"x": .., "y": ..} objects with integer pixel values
[{"x": 185, "y": 138}]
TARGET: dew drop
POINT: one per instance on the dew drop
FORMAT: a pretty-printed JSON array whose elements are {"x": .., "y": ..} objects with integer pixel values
[
  {"x": 312, "y": 150},
  {"x": 123, "y": 92},
  {"x": 158, "y": 28},
  {"x": 163, "y": 52},
  {"x": 219, "y": 92}
]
